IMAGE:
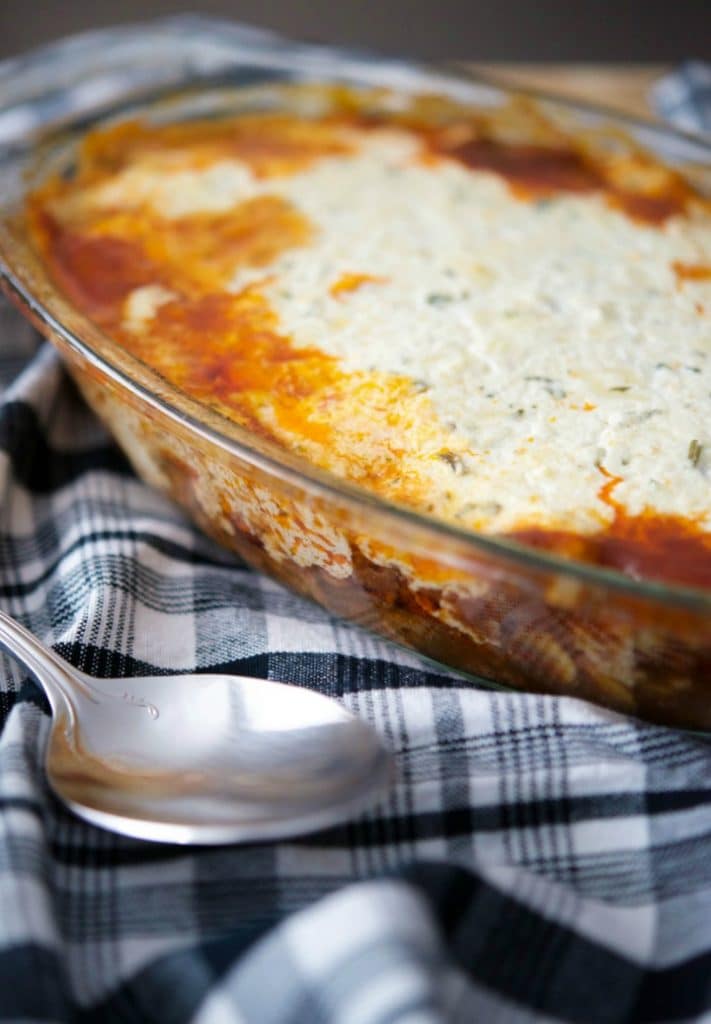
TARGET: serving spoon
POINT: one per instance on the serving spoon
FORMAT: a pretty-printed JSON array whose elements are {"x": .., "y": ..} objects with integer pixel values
[{"x": 200, "y": 758}]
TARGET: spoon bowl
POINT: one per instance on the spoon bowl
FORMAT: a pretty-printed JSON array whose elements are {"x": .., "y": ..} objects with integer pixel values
[{"x": 200, "y": 758}]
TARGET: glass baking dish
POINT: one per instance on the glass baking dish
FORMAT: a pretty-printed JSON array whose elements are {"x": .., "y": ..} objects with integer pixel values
[{"x": 488, "y": 607}]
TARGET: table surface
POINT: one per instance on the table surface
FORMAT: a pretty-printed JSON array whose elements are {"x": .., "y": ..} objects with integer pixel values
[{"x": 623, "y": 87}]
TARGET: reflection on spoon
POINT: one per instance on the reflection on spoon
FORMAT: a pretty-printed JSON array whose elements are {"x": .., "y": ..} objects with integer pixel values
[{"x": 200, "y": 758}]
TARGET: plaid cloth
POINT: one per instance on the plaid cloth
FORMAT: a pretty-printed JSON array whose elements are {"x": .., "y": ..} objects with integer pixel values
[
  {"x": 538, "y": 860},
  {"x": 685, "y": 97}
]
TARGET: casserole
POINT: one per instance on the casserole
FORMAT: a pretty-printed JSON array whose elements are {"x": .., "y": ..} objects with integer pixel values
[{"x": 333, "y": 465}]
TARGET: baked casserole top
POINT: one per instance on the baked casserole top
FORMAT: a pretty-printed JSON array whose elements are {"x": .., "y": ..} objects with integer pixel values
[{"x": 476, "y": 315}]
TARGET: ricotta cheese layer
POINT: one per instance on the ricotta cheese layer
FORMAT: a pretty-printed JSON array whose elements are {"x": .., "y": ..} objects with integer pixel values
[{"x": 515, "y": 356}]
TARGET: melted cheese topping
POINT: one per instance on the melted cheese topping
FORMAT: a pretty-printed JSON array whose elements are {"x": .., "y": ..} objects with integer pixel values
[{"x": 512, "y": 338}]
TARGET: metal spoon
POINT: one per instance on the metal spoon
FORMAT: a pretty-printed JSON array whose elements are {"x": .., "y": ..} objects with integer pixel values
[{"x": 200, "y": 758}]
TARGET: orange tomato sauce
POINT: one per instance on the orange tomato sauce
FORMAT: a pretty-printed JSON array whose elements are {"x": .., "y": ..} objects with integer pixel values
[{"x": 226, "y": 350}]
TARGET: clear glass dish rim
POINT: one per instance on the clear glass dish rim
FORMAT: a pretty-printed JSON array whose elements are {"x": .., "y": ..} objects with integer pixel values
[{"x": 283, "y": 464}]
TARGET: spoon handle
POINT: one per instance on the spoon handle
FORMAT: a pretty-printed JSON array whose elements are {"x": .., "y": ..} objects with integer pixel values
[{"x": 43, "y": 664}]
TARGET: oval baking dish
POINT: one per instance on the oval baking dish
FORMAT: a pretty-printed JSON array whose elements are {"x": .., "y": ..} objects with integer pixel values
[{"x": 368, "y": 478}]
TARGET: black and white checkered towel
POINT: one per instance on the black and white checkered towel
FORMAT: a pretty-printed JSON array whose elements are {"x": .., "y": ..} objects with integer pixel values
[{"x": 539, "y": 859}]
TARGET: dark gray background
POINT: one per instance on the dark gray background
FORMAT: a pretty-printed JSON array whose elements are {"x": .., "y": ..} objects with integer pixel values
[{"x": 520, "y": 30}]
